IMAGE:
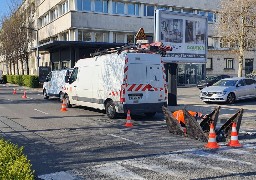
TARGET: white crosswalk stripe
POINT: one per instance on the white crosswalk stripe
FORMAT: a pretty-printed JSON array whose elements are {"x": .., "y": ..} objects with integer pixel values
[
  {"x": 223, "y": 163},
  {"x": 115, "y": 170},
  {"x": 187, "y": 164}
]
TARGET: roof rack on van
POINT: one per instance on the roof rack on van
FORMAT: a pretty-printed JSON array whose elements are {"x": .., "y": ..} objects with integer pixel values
[{"x": 156, "y": 47}]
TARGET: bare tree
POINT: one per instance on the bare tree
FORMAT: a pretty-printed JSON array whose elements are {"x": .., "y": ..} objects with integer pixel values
[
  {"x": 15, "y": 37},
  {"x": 236, "y": 26}
]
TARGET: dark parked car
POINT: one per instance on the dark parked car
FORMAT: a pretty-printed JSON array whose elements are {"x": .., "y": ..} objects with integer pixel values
[{"x": 210, "y": 80}]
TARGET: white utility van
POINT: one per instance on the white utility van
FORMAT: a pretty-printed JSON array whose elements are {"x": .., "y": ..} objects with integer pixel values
[
  {"x": 119, "y": 82},
  {"x": 54, "y": 83}
]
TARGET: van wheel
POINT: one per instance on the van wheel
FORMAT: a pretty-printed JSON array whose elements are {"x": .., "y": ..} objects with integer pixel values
[
  {"x": 61, "y": 96},
  {"x": 45, "y": 94},
  {"x": 150, "y": 114},
  {"x": 66, "y": 98},
  {"x": 111, "y": 110}
]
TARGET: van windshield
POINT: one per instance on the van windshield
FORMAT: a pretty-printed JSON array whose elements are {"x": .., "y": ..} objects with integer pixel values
[{"x": 145, "y": 74}]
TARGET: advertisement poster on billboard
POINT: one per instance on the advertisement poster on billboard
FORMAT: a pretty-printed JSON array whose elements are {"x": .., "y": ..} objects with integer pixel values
[{"x": 185, "y": 33}]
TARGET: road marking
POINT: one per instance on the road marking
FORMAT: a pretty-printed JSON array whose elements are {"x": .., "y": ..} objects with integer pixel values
[
  {"x": 40, "y": 111},
  {"x": 235, "y": 151},
  {"x": 113, "y": 135},
  {"x": 192, "y": 162},
  {"x": 152, "y": 167},
  {"x": 117, "y": 171},
  {"x": 202, "y": 153},
  {"x": 57, "y": 176}
]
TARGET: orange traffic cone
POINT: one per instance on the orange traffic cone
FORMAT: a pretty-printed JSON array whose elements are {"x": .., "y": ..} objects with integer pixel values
[
  {"x": 14, "y": 91},
  {"x": 128, "y": 120},
  {"x": 212, "y": 143},
  {"x": 63, "y": 106},
  {"x": 234, "y": 137},
  {"x": 24, "y": 95}
]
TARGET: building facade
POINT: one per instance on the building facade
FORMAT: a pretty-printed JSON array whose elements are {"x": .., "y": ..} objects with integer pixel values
[{"x": 69, "y": 29}]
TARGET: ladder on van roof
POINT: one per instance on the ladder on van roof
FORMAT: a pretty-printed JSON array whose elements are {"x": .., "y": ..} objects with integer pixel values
[{"x": 156, "y": 47}]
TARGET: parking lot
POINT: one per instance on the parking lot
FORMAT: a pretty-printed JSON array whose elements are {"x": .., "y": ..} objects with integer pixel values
[{"x": 83, "y": 143}]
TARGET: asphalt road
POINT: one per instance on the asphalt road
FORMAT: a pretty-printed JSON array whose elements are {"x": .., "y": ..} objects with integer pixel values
[{"x": 83, "y": 143}]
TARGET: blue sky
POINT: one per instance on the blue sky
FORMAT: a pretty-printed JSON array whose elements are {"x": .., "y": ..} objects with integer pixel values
[{"x": 4, "y": 6}]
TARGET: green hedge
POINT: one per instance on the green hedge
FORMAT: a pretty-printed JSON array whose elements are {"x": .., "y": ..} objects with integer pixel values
[
  {"x": 13, "y": 163},
  {"x": 23, "y": 80}
]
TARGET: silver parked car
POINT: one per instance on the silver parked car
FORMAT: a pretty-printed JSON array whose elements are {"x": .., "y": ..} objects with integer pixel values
[{"x": 229, "y": 90}]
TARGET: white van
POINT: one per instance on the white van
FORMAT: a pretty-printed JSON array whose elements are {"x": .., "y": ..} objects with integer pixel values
[
  {"x": 119, "y": 82},
  {"x": 54, "y": 83}
]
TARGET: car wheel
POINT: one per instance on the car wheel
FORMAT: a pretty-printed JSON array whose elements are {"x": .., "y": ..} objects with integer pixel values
[
  {"x": 45, "y": 94},
  {"x": 231, "y": 98},
  {"x": 150, "y": 114},
  {"x": 66, "y": 98},
  {"x": 111, "y": 110}
]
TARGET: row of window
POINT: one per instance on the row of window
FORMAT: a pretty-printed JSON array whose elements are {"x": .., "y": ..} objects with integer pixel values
[
  {"x": 99, "y": 36},
  {"x": 54, "y": 14},
  {"x": 229, "y": 63},
  {"x": 118, "y": 7}
]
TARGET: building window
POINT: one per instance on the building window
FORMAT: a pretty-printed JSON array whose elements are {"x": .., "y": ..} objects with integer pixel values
[
  {"x": 118, "y": 7},
  {"x": 202, "y": 13},
  {"x": 163, "y": 7},
  {"x": 65, "y": 36},
  {"x": 101, "y": 37},
  {"x": 150, "y": 38},
  {"x": 209, "y": 63},
  {"x": 133, "y": 9},
  {"x": 149, "y": 10},
  {"x": 84, "y": 36},
  {"x": 210, "y": 42},
  {"x": 229, "y": 63},
  {"x": 130, "y": 38},
  {"x": 84, "y": 5},
  {"x": 65, "y": 65},
  {"x": 211, "y": 17},
  {"x": 118, "y": 38},
  {"x": 224, "y": 43},
  {"x": 64, "y": 7},
  {"x": 176, "y": 9},
  {"x": 101, "y": 6},
  {"x": 188, "y": 10},
  {"x": 55, "y": 66}
]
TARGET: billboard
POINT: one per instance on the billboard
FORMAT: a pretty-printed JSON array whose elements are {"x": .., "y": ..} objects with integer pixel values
[{"x": 185, "y": 33}]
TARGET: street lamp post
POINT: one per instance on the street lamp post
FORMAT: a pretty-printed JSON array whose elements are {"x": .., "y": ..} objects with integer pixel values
[{"x": 37, "y": 50}]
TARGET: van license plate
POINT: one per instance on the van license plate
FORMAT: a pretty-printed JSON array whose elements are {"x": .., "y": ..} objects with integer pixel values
[{"x": 134, "y": 97}]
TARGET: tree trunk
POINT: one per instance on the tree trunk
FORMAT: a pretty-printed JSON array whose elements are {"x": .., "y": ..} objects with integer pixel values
[
  {"x": 240, "y": 60},
  {"x": 17, "y": 67},
  {"x": 13, "y": 67},
  {"x": 10, "y": 68},
  {"x": 22, "y": 67},
  {"x": 240, "y": 66}
]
